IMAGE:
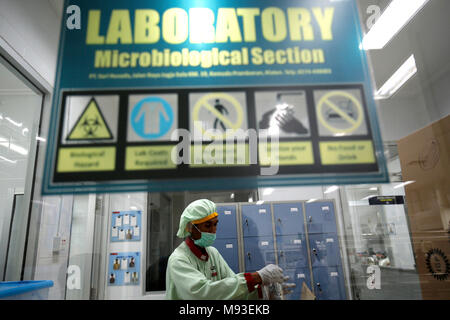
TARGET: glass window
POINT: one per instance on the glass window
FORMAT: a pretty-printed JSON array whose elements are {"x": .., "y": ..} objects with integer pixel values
[
  {"x": 116, "y": 246},
  {"x": 20, "y": 114},
  {"x": 409, "y": 57},
  {"x": 381, "y": 254}
]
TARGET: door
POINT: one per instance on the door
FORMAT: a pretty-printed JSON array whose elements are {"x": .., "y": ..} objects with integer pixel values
[
  {"x": 291, "y": 251},
  {"x": 288, "y": 218},
  {"x": 329, "y": 283},
  {"x": 228, "y": 248},
  {"x": 20, "y": 117},
  {"x": 256, "y": 220},
  {"x": 320, "y": 217},
  {"x": 324, "y": 250},
  {"x": 258, "y": 252},
  {"x": 226, "y": 228},
  {"x": 297, "y": 276}
]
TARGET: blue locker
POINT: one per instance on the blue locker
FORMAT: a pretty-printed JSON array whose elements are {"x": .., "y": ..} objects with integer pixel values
[
  {"x": 288, "y": 218},
  {"x": 228, "y": 248},
  {"x": 297, "y": 276},
  {"x": 256, "y": 220},
  {"x": 324, "y": 250},
  {"x": 292, "y": 251},
  {"x": 258, "y": 252},
  {"x": 226, "y": 228},
  {"x": 320, "y": 217},
  {"x": 329, "y": 283}
]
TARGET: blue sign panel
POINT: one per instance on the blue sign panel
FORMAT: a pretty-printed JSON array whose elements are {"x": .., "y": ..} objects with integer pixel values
[
  {"x": 126, "y": 226},
  {"x": 157, "y": 96},
  {"x": 124, "y": 269}
]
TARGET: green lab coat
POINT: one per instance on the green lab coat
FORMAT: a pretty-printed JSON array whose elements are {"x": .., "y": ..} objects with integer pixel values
[{"x": 191, "y": 278}]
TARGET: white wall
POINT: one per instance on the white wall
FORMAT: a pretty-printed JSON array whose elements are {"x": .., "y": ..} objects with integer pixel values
[
  {"x": 81, "y": 246},
  {"x": 402, "y": 115},
  {"x": 31, "y": 28},
  {"x": 56, "y": 219},
  {"x": 400, "y": 240},
  {"x": 442, "y": 93}
]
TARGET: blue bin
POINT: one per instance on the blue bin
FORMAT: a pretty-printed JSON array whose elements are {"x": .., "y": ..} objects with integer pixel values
[{"x": 25, "y": 290}]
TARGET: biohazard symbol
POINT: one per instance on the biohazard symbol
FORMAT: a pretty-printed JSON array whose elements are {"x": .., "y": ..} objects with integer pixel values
[{"x": 91, "y": 125}]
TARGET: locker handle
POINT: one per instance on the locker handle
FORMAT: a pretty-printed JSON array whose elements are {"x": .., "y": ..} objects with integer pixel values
[
  {"x": 279, "y": 220},
  {"x": 249, "y": 256},
  {"x": 318, "y": 285},
  {"x": 246, "y": 222},
  {"x": 281, "y": 253},
  {"x": 315, "y": 251},
  {"x": 310, "y": 219}
]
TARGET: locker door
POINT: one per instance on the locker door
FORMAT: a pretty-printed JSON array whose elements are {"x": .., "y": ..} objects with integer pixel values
[
  {"x": 292, "y": 251},
  {"x": 288, "y": 218},
  {"x": 329, "y": 283},
  {"x": 324, "y": 250},
  {"x": 297, "y": 276},
  {"x": 226, "y": 228},
  {"x": 228, "y": 248},
  {"x": 320, "y": 217},
  {"x": 258, "y": 252},
  {"x": 256, "y": 220}
]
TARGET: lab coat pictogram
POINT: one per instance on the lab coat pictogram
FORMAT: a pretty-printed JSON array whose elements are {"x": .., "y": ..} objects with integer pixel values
[{"x": 152, "y": 118}]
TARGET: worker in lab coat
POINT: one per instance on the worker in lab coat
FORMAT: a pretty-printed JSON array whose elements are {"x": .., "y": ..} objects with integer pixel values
[{"x": 197, "y": 271}]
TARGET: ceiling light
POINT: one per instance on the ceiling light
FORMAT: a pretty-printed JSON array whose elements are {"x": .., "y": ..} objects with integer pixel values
[
  {"x": 11, "y": 146},
  {"x": 268, "y": 191},
  {"x": 311, "y": 200},
  {"x": 398, "y": 79},
  {"x": 8, "y": 160},
  {"x": 17, "y": 124},
  {"x": 393, "y": 19},
  {"x": 403, "y": 184},
  {"x": 369, "y": 196},
  {"x": 18, "y": 149},
  {"x": 331, "y": 189}
]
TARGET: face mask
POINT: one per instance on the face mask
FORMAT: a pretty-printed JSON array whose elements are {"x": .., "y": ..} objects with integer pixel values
[{"x": 206, "y": 240}]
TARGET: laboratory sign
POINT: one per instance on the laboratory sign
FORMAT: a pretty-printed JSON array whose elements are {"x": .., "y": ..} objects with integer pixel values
[{"x": 183, "y": 95}]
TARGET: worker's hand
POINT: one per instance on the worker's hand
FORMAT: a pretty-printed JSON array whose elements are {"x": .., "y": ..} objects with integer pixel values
[
  {"x": 276, "y": 291},
  {"x": 288, "y": 287},
  {"x": 272, "y": 292},
  {"x": 271, "y": 274}
]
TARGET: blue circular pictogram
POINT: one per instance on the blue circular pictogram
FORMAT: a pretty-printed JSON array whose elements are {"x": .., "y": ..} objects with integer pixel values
[{"x": 151, "y": 118}]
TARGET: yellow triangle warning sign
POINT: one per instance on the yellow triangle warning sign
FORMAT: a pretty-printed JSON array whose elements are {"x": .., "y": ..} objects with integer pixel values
[{"x": 91, "y": 125}]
